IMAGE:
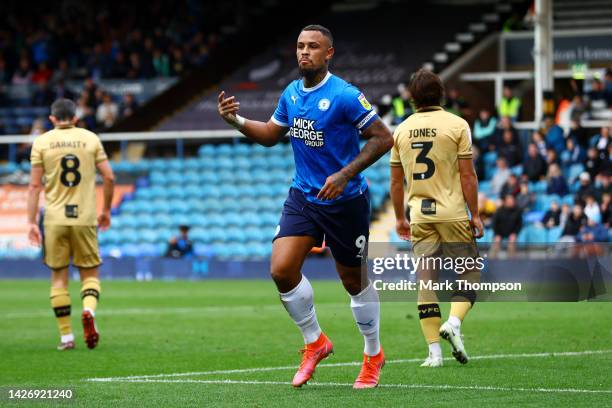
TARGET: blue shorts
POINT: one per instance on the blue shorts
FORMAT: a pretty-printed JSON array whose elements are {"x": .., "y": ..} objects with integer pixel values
[{"x": 345, "y": 226}]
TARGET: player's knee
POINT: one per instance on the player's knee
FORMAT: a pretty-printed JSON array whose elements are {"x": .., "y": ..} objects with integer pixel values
[
  {"x": 282, "y": 273},
  {"x": 353, "y": 284},
  {"x": 462, "y": 295}
]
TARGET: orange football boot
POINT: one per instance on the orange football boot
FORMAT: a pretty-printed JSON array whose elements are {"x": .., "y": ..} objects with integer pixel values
[
  {"x": 312, "y": 354},
  {"x": 89, "y": 328},
  {"x": 370, "y": 371}
]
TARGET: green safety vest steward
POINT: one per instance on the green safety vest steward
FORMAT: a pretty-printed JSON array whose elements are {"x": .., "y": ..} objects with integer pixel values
[{"x": 509, "y": 107}]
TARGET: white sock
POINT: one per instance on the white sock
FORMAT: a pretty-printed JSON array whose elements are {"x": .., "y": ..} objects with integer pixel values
[
  {"x": 366, "y": 311},
  {"x": 299, "y": 304},
  {"x": 455, "y": 321},
  {"x": 67, "y": 337},
  {"x": 90, "y": 311},
  {"x": 435, "y": 350}
]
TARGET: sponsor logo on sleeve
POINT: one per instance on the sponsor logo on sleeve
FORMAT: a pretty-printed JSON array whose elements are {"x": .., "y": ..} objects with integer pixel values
[{"x": 364, "y": 102}]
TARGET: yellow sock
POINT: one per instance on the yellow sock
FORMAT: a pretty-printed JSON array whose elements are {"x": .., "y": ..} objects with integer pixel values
[
  {"x": 430, "y": 317},
  {"x": 60, "y": 302},
  {"x": 90, "y": 293},
  {"x": 460, "y": 309}
]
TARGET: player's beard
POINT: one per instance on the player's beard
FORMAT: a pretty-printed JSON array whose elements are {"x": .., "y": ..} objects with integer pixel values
[{"x": 309, "y": 74}]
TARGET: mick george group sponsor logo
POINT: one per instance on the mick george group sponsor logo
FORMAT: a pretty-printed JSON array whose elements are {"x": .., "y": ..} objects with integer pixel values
[{"x": 304, "y": 129}]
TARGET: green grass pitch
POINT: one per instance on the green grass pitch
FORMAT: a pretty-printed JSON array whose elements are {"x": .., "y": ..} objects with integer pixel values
[{"x": 187, "y": 337}]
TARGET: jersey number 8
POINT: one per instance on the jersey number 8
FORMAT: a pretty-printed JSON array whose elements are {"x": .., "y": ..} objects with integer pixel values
[{"x": 70, "y": 177}]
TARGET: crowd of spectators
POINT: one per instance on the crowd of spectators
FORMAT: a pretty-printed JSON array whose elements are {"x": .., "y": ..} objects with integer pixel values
[
  {"x": 43, "y": 48},
  {"x": 572, "y": 162},
  {"x": 66, "y": 40}
]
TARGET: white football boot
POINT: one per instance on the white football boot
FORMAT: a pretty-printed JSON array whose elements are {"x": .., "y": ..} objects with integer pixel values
[
  {"x": 453, "y": 335},
  {"x": 433, "y": 361}
]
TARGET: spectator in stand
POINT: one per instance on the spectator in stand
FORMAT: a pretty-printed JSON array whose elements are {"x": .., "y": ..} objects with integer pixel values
[
  {"x": 510, "y": 148},
  {"x": 602, "y": 140},
  {"x": 607, "y": 87},
  {"x": 509, "y": 105},
  {"x": 486, "y": 208},
  {"x": 585, "y": 189},
  {"x": 540, "y": 143},
  {"x": 578, "y": 108},
  {"x": 128, "y": 105},
  {"x": 107, "y": 112},
  {"x": 62, "y": 73},
  {"x": 85, "y": 113},
  {"x": 501, "y": 175},
  {"x": 603, "y": 184},
  {"x": 161, "y": 63},
  {"x": 556, "y": 181},
  {"x": 511, "y": 186},
  {"x": 574, "y": 223},
  {"x": 606, "y": 210},
  {"x": 119, "y": 66},
  {"x": 42, "y": 74},
  {"x": 554, "y": 134},
  {"x": 573, "y": 154},
  {"x": 61, "y": 91},
  {"x": 455, "y": 103},
  {"x": 504, "y": 125},
  {"x": 591, "y": 208},
  {"x": 593, "y": 164},
  {"x": 535, "y": 166},
  {"x": 401, "y": 106},
  {"x": 597, "y": 97},
  {"x": 578, "y": 133},
  {"x": 552, "y": 217},
  {"x": 551, "y": 157},
  {"x": 592, "y": 232},
  {"x": 178, "y": 63},
  {"x": 478, "y": 163},
  {"x": 22, "y": 75},
  {"x": 525, "y": 198},
  {"x": 565, "y": 213},
  {"x": 507, "y": 223},
  {"x": 484, "y": 130},
  {"x": 180, "y": 246},
  {"x": 4, "y": 72}
]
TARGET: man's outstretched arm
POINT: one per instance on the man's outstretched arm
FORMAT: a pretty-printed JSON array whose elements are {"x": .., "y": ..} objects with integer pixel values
[
  {"x": 265, "y": 133},
  {"x": 380, "y": 141}
]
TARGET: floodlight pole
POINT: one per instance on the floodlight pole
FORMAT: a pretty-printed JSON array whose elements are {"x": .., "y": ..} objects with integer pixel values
[{"x": 543, "y": 54}]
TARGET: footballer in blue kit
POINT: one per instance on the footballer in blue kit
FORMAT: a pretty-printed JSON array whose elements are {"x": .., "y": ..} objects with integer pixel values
[{"x": 328, "y": 199}]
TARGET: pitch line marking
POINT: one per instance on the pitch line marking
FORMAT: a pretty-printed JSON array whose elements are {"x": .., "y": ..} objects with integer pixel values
[
  {"x": 336, "y": 384},
  {"x": 345, "y": 364}
]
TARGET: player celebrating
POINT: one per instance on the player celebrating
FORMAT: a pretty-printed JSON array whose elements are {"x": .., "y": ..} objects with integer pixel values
[
  {"x": 68, "y": 157},
  {"x": 328, "y": 197},
  {"x": 433, "y": 150}
]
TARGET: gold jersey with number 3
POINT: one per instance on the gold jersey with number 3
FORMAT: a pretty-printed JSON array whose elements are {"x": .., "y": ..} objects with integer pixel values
[
  {"x": 427, "y": 145},
  {"x": 69, "y": 156}
]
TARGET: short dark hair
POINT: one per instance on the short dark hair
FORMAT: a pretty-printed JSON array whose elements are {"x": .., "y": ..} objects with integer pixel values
[
  {"x": 63, "y": 109},
  {"x": 323, "y": 30},
  {"x": 426, "y": 89}
]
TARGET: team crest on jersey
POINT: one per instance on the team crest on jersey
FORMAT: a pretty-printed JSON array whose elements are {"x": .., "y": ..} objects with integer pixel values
[
  {"x": 364, "y": 102},
  {"x": 324, "y": 104}
]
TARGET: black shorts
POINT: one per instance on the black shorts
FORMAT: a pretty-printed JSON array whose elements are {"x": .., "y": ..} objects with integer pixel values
[{"x": 344, "y": 226}]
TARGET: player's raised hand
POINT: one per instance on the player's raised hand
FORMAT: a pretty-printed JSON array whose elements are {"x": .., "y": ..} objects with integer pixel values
[
  {"x": 402, "y": 227},
  {"x": 228, "y": 108},
  {"x": 104, "y": 220},
  {"x": 477, "y": 227},
  {"x": 34, "y": 235},
  {"x": 333, "y": 187}
]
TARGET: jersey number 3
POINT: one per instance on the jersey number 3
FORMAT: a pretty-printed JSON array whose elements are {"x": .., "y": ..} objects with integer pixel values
[
  {"x": 422, "y": 158},
  {"x": 70, "y": 175}
]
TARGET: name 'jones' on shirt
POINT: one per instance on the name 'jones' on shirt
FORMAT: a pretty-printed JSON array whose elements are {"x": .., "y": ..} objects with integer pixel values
[
  {"x": 304, "y": 129},
  {"x": 425, "y": 132}
]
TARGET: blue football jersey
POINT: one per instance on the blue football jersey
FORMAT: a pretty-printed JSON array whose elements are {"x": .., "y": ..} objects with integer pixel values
[{"x": 324, "y": 123}]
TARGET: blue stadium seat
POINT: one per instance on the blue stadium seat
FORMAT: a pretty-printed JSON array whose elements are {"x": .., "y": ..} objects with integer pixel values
[
  {"x": 191, "y": 164},
  {"x": 143, "y": 221},
  {"x": 554, "y": 234},
  {"x": 489, "y": 158},
  {"x": 163, "y": 220},
  {"x": 178, "y": 220},
  {"x": 149, "y": 235},
  {"x": 217, "y": 220},
  {"x": 206, "y": 150},
  {"x": 235, "y": 234}
]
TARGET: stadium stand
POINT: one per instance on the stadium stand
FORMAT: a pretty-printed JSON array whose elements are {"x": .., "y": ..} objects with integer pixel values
[{"x": 231, "y": 196}]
